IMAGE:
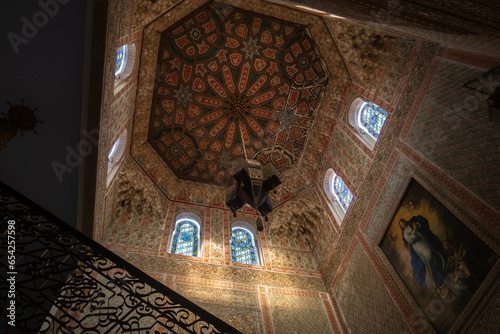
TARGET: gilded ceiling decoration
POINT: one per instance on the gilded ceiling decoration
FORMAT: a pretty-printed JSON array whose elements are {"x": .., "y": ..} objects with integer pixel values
[{"x": 224, "y": 74}]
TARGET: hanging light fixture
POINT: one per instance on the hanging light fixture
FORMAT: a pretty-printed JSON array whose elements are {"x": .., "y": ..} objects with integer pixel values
[{"x": 253, "y": 182}]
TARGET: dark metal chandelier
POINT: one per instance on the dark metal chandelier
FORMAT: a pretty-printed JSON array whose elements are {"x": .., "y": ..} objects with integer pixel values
[{"x": 253, "y": 182}]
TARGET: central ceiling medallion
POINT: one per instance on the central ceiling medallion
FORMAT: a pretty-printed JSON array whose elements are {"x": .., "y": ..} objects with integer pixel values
[{"x": 227, "y": 77}]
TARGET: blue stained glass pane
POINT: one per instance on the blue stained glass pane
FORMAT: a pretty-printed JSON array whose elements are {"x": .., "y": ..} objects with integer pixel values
[
  {"x": 242, "y": 247},
  {"x": 185, "y": 240},
  {"x": 343, "y": 193},
  {"x": 372, "y": 118},
  {"x": 121, "y": 55}
]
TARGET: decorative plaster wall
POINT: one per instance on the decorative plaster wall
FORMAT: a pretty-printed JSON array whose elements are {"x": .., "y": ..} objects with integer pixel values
[
  {"x": 126, "y": 17},
  {"x": 297, "y": 315},
  {"x": 452, "y": 130},
  {"x": 488, "y": 323},
  {"x": 238, "y": 274},
  {"x": 387, "y": 201},
  {"x": 348, "y": 156},
  {"x": 217, "y": 235},
  {"x": 324, "y": 241},
  {"x": 122, "y": 109},
  {"x": 366, "y": 50},
  {"x": 135, "y": 210},
  {"x": 299, "y": 219},
  {"x": 239, "y": 308},
  {"x": 363, "y": 297}
]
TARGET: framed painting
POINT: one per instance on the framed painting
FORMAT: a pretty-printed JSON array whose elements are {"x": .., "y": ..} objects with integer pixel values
[{"x": 440, "y": 260}]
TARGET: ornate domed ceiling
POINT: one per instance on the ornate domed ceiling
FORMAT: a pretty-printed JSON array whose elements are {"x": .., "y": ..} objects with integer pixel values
[{"x": 224, "y": 74}]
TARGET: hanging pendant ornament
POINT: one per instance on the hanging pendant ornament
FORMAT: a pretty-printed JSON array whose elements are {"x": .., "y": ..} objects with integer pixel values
[{"x": 253, "y": 182}]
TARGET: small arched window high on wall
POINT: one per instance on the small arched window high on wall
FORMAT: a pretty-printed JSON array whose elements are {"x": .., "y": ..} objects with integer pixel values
[
  {"x": 243, "y": 245},
  {"x": 115, "y": 154},
  {"x": 338, "y": 194},
  {"x": 125, "y": 61},
  {"x": 341, "y": 192},
  {"x": 186, "y": 235},
  {"x": 121, "y": 59},
  {"x": 368, "y": 119}
]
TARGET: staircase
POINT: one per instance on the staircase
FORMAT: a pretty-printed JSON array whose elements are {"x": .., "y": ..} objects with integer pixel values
[{"x": 54, "y": 279}]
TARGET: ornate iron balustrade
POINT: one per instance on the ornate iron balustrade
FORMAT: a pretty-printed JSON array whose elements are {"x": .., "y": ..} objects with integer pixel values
[{"x": 67, "y": 283}]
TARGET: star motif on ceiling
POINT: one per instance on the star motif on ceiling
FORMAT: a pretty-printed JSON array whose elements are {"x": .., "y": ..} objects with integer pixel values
[
  {"x": 227, "y": 80},
  {"x": 183, "y": 95},
  {"x": 251, "y": 48},
  {"x": 287, "y": 119}
]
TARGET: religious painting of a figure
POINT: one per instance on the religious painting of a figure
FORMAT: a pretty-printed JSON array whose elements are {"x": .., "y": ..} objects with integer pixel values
[{"x": 440, "y": 260}]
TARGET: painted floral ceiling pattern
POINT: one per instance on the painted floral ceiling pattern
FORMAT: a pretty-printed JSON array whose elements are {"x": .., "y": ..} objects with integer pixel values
[{"x": 226, "y": 75}]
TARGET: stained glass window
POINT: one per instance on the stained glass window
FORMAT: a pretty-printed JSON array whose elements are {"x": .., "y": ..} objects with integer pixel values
[
  {"x": 372, "y": 118},
  {"x": 341, "y": 192},
  {"x": 113, "y": 151},
  {"x": 185, "y": 240},
  {"x": 242, "y": 246},
  {"x": 121, "y": 59}
]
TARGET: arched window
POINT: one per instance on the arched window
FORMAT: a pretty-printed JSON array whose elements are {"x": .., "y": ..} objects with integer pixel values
[
  {"x": 243, "y": 245},
  {"x": 121, "y": 59},
  {"x": 115, "y": 154},
  {"x": 125, "y": 61},
  {"x": 338, "y": 193},
  {"x": 186, "y": 235},
  {"x": 113, "y": 150},
  {"x": 372, "y": 118},
  {"x": 341, "y": 192},
  {"x": 368, "y": 119}
]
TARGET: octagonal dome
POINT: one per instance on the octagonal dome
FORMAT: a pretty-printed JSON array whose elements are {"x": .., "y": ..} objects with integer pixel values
[{"x": 226, "y": 76}]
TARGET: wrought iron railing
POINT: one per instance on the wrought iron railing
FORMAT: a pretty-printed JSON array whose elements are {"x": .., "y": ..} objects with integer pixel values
[{"x": 64, "y": 282}]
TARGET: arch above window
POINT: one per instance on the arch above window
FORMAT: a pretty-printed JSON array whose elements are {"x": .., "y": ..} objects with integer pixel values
[
  {"x": 186, "y": 235},
  {"x": 243, "y": 245},
  {"x": 338, "y": 193},
  {"x": 368, "y": 119}
]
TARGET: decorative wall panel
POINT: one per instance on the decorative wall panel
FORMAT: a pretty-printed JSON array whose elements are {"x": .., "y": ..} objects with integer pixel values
[
  {"x": 126, "y": 17},
  {"x": 282, "y": 240},
  {"x": 122, "y": 109},
  {"x": 452, "y": 130},
  {"x": 217, "y": 236},
  {"x": 133, "y": 237},
  {"x": 297, "y": 315},
  {"x": 284, "y": 258},
  {"x": 363, "y": 297},
  {"x": 350, "y": 158},
  {"x": 238, "y": 308},
  {"x": 489, "y": 320},
  {"x": 401, "y": 62},
  {"x": 324, "y": 241},
  {"x": 387, "y": 201},
  {"x": 367, "y": 51},
  {"x": 300, "y": 219},
  {"x": 175, "y": 266}
]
